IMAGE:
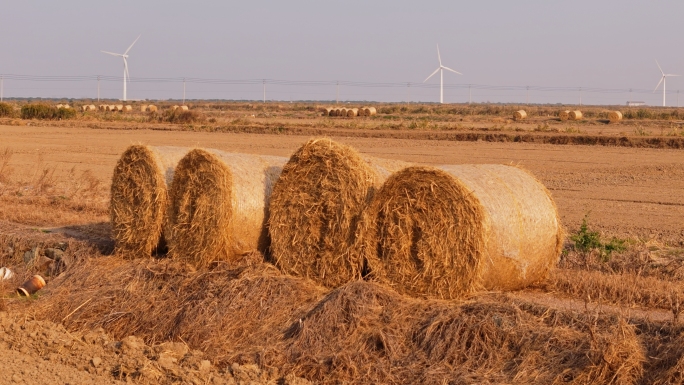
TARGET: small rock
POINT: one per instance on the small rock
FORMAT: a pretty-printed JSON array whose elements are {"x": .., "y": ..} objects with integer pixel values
[
  {"x": 96, "y": 361},
  {"x": 55, "y": 254}
]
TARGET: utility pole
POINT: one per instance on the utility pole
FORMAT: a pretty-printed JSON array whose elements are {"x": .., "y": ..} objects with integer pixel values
[
  {"x": 183, "y": 91},
  {"x": 408, "y": 99},
  {"x": 337, "y": 98},
  {"x": 470, "y": 94},
  {"x": 98, "y": 88},
  {"x": 264, "y": 83},
  {"x": 580, "y": 95}
]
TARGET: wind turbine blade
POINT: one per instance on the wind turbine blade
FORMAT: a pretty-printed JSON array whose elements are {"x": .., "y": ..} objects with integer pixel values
[
  {"x": 661, "y": 70},
  {"x": 672, "y": 75},
  {"x": 129, "y": 48},
  {"x": 439, "y": 57},
  {"x": 454, "y": 71},
  {"x": 112, "y": 53},
  {"x": 661, "y": 80},
  {"x": 433, "y": 74}
]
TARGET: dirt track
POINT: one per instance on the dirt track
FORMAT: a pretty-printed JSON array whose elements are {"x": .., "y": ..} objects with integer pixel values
[{"x": 629, "y": 192}]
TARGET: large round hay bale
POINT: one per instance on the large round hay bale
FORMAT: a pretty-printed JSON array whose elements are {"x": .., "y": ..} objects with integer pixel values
[
  {"x": 152, "y": 108},
  {"x": 219, "y": 205},
  {"x": 615, "y": 116},
  {"x": 520, "y": 115},
  {"x": 92, "y": 107},
  {"x": 327, "y": 111},
  {"x": 143, "y": 108},
  {"x": 315, "y": 208},
  {"x": 111, "y": 108},
  {"x": 174, "y": 108},
  {"x": 352, "y": 112},
  {"x": 103, "y": 107},
  {"x": 448, "y": 231},
  {"x": 564, "y": 115},
  {"x": 183, "y": 108},
  {"x": 128, "y": 108},
  {"x": 371, "y": 111},
  {"x": 343, "y": 112},
  {"x": 139, "y": 197},
  {"x": 575, "y": 115},
  {"x": 119, "y": 108}
]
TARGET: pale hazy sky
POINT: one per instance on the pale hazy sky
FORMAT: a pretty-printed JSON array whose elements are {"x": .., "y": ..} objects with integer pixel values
[{"x": 601, "y": 44}]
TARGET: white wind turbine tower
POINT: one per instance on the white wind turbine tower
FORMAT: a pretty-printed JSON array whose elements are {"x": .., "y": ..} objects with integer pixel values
[
  {"x": 441, "y": 69},
  {"x": 124, "y": 56},
  {"x": 663, "y": 80}
]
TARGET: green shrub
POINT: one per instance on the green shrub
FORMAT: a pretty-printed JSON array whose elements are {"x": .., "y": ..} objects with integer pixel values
[
  {"x": 6, "y": 110},
  {"x": 586, "y": 240},
  {"x": 46, "y": 112}
]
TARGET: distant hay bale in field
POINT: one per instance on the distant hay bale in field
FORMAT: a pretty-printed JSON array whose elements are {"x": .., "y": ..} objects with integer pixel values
[
  {"x": 60, "y": 105},
  {"x": 328, "y": 111},
  {"x": 128, "y": 108},
  {"x": 564, "y": 115},
  {"x": 119, "y": 108},
  {"x": 370, "y": 111},
  {"x": 84, "y": 108},
  {"x": 102, "y": 107},
  {"x": 448, "y": 231},
  {"x": 174, "y": 108},
  {"x": 139, "y": 197},
  {"x": 520, "y": 115},
  {"x": 352, "y": 112},
  {"x": 111, "y": 108},
  {"x": 92, "y": 107},
  {"x": 183, "y": 108},
  {"x": 615, "y": 116},
  {"x": 575, "y": 115},
  {"x": 343, "y": 112},
  {"x": 218, "y": 205},
  {"x": 152, "y": 108},
  {"x": 315, "y": 207},
  {"x": 143, "y": 108}
]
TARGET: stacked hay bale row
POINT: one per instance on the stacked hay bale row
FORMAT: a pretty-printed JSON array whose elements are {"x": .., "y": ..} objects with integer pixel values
[
  {"x": 348, "y": 112},
  {"x": 333, "y": 216}
]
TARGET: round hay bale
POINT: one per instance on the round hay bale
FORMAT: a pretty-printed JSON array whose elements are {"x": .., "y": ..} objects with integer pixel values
[
  {"x": 575, "y": 115},
  {"x": 343, "y": 112},
  {"x": 111, "y": 108},
  {"x": 564, "y": 115},
  {"x": 315, "y": 208},
  {"x": 119, "y": 108},
  {"x": 520, "y": 115},
  {"x": 448, "y": 231},
  {"x": 174, "y": 108},
  {"x": 152, "y": 108},
  {"x": 84, "y": 108},
  {"x": 327, "y": 111},
  {"x": 103, "y": 107},
  {"x": 60, "y": 106},
  {"x": 371, "y": 111},
  {"x": 219, "y": 205},
  {"x": 128, "y": 108},
  {"x": 352, "y": 112},
  {"x": 143, "y": 108},
  {"x": 92, "y": 107},
  {"x": 139, "y": 197},
  {"x": 615, "y": 116},
  {"x": 183, "y": 108}
]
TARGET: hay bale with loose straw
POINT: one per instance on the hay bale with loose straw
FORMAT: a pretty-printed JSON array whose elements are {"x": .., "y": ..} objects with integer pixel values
[
  {"x": 615, "y": 116},
  {"x": 520, "y": 115},
  {"x": 315, "y": 207},
  {"x": 564, "y": 115},
  {"x": 219, "y": 205},
  {"x": 352, "y": 112},
  {"x": 152, "y": 108},
  {"x": 139, "y": 197},
  {"x": 446, "y": 232},
  {"x": 575, "y": 115}
]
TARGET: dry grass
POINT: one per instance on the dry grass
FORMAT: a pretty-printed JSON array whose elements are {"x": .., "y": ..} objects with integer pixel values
[{"x": 360, "y": 333}]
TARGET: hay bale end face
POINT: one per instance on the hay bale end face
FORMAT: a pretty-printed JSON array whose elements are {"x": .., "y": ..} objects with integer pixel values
[
  {"x": 139, "y": 197},
  {"x": 128, "y": 108},
  {"x": 564, "y": 115},
  {"x": 575, "y": 115},
  {"x": 446, "y": 232},
  {"x": 315, "y": 208},
  {"x": 520, "y": 115},
  {"x": 614, "y": 116},
  {"x": 219, "y": 205},
  {"x": 352, "y": 112}
]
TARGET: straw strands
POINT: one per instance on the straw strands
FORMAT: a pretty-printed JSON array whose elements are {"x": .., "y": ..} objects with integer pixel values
[
  {"x": 446, "y": 232},
  {"x": 520, "y": 115},
  {"x": 139, "y": 197},
  {"x": 564, "y": 115},
  {"x": 614, "y": 116},
  {"x": 575, "y": 115},
  {"x": 315, "y": 207},
  {"x": 219, "y": 205}
]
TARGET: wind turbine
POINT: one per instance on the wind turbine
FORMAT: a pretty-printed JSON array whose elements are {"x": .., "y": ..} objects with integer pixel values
[
  {"x": 124, "y": 56},
  {"x": 441, "y": 69},
  {"x": 662, "y": 80}
]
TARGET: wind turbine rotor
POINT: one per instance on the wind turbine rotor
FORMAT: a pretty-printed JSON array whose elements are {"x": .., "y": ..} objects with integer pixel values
[
  {"x": 449, "y": 69},
  {"x": 112, "y": 53},
  {"x": 432, "y": 74}
]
